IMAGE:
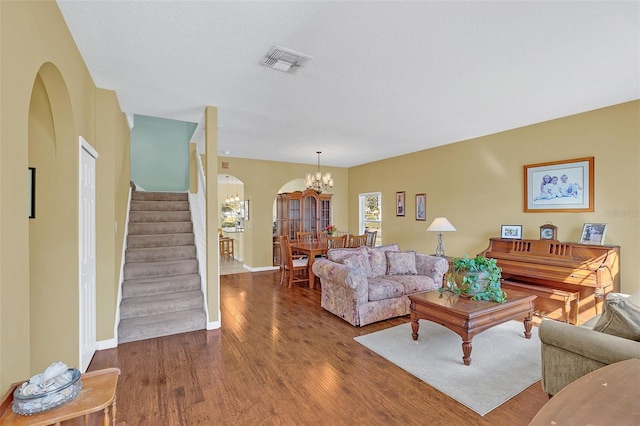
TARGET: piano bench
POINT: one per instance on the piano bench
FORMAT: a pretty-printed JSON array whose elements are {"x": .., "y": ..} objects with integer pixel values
[{"x": 567, "y": 297}]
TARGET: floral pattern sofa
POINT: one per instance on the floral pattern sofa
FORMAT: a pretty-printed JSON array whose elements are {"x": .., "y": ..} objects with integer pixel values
[{"x": 368, "y": 284}]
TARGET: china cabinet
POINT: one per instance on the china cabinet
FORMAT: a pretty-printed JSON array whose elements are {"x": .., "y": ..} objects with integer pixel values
[{"x": 305, "y": 211}]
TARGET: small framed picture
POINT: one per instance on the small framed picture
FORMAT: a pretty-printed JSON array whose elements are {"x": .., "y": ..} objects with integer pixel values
[
  {"x": 511, "y": 232},
  {"x": 421, "y": 206},
  {"x": 400, "y": 206},
  {"x": 593, "y": 233}
]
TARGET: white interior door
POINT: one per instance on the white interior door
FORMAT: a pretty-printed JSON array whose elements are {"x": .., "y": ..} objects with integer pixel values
[{"x": 87, "y": 217}]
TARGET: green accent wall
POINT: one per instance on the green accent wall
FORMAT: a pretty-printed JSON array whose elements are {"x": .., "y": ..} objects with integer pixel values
[{"x": 160, "y": 153}]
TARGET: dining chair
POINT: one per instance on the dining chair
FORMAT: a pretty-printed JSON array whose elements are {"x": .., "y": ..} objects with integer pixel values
[
  {"x": 293, "y": 268},
  {"x": 337, "y": 242},
  {"x": 304, "y": 237},
  {"x": 357, "y": 240},
  {"x": 371, "y": 237},
  {"x": 322, "y": 237}
]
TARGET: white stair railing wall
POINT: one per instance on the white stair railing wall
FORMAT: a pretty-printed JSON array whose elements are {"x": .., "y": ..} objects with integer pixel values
[{"x": 198, "y": 207}]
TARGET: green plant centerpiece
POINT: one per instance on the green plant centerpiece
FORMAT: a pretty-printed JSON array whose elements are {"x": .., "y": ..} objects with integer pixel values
[{"x": 478, "y": 278}]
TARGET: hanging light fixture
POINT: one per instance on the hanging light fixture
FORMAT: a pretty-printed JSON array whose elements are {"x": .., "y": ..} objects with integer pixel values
[{"x": 318, "y": 181}]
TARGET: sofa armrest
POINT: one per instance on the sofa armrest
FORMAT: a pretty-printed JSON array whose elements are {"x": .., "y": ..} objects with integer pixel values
[
  {"x": 569, "y": 352},
  {"x": 338, "y": 273},
  {"x": 432, "y": 266}
]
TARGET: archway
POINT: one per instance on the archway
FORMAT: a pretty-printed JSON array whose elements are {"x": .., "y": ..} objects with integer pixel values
[{"x": 53, "y": 233}]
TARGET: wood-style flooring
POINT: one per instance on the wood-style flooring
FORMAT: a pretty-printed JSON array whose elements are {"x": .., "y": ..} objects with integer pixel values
[{"x": 280, "y": 359}]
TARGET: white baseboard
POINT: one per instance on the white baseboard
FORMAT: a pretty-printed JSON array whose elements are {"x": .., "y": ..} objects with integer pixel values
[
  {"x": 260, "y": 268},
  {"x": 106, "y": 344},
  {"x": 213, "y": 325}
]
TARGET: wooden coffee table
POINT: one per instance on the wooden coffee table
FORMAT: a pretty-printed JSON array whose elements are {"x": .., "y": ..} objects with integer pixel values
[{"x": 468, "y": 317}]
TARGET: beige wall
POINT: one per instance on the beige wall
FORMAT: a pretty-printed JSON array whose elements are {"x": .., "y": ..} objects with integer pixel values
[
  {"x": 262, "y": 181},
  {"x": 48, "y": 100},
  {"x": 478, "y": 185}
]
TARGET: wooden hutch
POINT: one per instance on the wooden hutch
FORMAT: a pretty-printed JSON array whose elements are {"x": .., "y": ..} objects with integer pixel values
[{"x": 304, "y": 211}]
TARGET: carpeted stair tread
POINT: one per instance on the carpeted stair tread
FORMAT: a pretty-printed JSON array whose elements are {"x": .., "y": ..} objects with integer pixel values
[
  {"x": 152, "y": 228},
  {"x": 159, "y": 196},
  {"x": 156, "y": 254},
  {"x": 160, "y": 240},
  {"x": 159, "y": 216},
  {"x": 141, "y": 306},
  {"x": 159, "y": 205},
  {"x": 161, "y": 292},
  {"x": 150, "y": 286},
  {"x": 160, "y": 269},
  {"x": 152, "y": 326}
]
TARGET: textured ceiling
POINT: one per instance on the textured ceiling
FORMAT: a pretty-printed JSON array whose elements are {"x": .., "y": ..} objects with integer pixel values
[{"x": 385, "y": 78}]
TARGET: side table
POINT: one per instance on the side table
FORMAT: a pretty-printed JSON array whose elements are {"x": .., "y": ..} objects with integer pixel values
[
  {"x": 98, "y": 393},
  {"x": 607, "y": 396}
]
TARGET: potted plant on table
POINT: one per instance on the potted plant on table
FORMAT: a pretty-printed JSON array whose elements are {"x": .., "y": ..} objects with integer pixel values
[{"x": 477, "y": 278}]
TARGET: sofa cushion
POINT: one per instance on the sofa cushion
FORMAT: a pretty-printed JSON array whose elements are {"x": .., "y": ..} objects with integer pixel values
[
  {"x": 619, "y": 318},
  {"x": 415, "y": 283},
  {"x": 378, "y": 258},
  {"x": 401, "y": 263},
  {"x": 381, "y": 288},
  {"x": 339, "y": 255}
]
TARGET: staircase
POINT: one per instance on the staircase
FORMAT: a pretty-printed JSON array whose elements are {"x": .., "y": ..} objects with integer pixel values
[{"x": 161, "y": 293}]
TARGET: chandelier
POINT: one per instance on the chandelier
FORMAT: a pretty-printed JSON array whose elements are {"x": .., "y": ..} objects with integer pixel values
[{"x": 318, "y": 181}]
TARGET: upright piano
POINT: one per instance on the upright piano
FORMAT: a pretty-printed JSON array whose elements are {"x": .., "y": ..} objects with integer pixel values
[{"x": 571, "y": 280}]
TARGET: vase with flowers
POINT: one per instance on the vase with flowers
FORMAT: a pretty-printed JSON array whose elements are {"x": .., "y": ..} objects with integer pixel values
[{"x": 330, "y": 229}]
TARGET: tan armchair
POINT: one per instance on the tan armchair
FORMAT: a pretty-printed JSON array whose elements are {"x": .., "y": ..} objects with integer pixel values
[{"x": 569, "y": 352}]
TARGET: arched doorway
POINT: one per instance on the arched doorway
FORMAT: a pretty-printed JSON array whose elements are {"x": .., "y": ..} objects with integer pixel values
[{"x": 53, "y": 233}]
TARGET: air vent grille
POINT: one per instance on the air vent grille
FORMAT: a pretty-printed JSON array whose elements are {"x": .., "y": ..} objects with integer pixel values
[{"x": 285, "y": 60}]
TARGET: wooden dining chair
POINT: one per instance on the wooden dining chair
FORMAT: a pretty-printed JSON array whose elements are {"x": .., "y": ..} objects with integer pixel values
[
  {"x": 322, "y": 237},
  {"x": 337, "y": 242},
  {"x": 357, "y": 240},
  {"x": 304, "y": 237},
  {"x": 371, "y": 237},
  {"x": 293, "y": 268}
]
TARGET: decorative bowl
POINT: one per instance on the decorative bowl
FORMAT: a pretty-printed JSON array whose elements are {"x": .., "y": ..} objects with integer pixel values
[{"x": 60, "y": 391}]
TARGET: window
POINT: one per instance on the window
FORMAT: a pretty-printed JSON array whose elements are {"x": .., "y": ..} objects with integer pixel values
[{"x": 370, "y": 207}]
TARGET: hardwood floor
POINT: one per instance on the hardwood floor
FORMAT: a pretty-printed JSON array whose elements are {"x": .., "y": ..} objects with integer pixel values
[{"x": 280, "y": 359}]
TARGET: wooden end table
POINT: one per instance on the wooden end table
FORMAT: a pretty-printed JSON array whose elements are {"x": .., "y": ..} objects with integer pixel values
[
  {"x": 606, "y": 396},
  {"x": 98, "y": 393},
  {"x": 468, "y": 317}
]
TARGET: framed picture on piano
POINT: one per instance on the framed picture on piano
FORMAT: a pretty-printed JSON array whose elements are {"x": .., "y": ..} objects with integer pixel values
[
  {"x": 559, "y": 186},
  {"x": 593, "y": 233}
]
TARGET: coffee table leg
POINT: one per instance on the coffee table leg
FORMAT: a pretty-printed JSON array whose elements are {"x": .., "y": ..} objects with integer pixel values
[
  {"x": 414, "y": 328},
  {"x": 527, "y": 327},
  {"x": 466, "y": 351}
]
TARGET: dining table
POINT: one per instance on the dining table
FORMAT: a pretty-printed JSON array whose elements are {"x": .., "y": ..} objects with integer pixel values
[{"x": 312, "y": 250}]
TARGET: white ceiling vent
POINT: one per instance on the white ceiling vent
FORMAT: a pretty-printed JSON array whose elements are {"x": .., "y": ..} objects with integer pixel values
[{"x": 285, "y": 60}]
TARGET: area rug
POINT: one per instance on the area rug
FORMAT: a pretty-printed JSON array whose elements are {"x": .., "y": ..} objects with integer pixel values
[{"x": 503, "y": 361}]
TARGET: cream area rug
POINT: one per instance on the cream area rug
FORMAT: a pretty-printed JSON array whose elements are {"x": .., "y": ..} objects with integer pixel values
[{"x": 503, "y": 361}]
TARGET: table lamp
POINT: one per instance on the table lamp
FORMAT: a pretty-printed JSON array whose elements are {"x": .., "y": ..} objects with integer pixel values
[{"x": 440, "y": 225}]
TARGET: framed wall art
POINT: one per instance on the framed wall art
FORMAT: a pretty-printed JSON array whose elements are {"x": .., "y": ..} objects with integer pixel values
[
  {"x": 421, "y": 206},
  {"x": 559, "y": 186},
  {"x": 593, "y": 233},
  {"x": 511, "y": 232},
  {"x": 32, "y": 192},
  {"x": 400, "y": 205}
]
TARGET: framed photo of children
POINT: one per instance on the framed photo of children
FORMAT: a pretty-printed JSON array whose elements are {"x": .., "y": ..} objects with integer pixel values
[
  {"x": 593, "y": 233},
  {"x": 421, "y": 206},
  {"x": 559, "y": 186},
  {"x": 400, "y": 206}
]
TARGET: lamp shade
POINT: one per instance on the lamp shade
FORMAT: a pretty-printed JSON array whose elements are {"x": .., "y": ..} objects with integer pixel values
[{"x": 441, "y": 224}]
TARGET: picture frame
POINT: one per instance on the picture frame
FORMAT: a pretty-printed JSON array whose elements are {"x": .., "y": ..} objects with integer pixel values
[
  {"x": 421, "y": 206},
  {"x": 593, "y": 233},
  {"x": 400, "y": 203},
  {"x": 31, "y": 184},
  {"x": 511, "y": 232},
  {"x": 559, "y": 186}
]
